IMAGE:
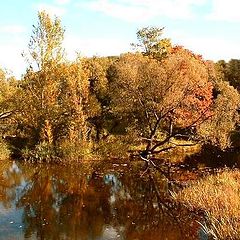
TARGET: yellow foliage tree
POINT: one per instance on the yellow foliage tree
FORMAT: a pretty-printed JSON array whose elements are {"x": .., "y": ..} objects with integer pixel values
[{"x": 55, "y": 94}]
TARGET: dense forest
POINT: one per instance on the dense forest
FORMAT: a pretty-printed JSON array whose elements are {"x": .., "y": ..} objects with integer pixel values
[{"x": 149, "y": 101}]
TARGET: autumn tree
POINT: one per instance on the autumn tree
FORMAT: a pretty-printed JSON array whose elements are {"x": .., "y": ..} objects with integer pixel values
[
  {"x": 76, "y": 98},
  {"x": 218, "y": 129},
  {"x": 151, "y": 43},
  {"x": 163, "y": 100},
  {"x": 97, "y": 69},
  {"x": 55, "y": 98},
  {"x": 7, "y": 90},
  {"x": 45, "y": 46},
  {"x": 233, "y": 73},
  {"x": 40, "y": 85}
]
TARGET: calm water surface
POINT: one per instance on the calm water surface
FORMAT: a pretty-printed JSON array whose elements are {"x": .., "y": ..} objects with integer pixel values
[{"x": 104, "y": 202}]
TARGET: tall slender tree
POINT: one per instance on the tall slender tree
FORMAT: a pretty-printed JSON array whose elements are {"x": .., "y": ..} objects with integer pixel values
[{"x": 55, "y": 93}]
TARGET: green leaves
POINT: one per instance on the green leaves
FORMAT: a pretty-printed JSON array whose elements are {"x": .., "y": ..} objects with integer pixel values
[{"x": 151, "y": 43}]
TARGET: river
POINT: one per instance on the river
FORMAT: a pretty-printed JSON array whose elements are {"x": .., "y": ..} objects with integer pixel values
[{"x": 104, "y": 201}]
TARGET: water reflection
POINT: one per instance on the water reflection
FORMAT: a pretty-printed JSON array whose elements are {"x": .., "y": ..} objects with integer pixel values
[{"x": 54, "y": 202}]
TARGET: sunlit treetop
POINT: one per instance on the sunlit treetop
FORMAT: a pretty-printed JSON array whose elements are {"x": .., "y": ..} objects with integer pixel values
[{"x": 151, "y": 43}]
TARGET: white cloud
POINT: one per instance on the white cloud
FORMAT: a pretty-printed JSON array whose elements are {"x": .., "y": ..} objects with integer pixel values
[
  {"x": 11, "y": 46},
  {"x": 122, "y": 11},
  {"x": 12, "y": 29},
  {"x": 211, "y": 48},
  {"x": 62, "y": 2},
  {"x": 51, "y": 9},
  {"x": 97, "y": 46},
  {"x": 225, "y": 10},
  {"x": 142, "y": 10},
  {"x": 11, "y": 59}
]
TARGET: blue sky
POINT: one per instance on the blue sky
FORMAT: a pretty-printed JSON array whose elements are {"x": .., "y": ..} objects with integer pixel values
[{"x": 107, "y": 27}]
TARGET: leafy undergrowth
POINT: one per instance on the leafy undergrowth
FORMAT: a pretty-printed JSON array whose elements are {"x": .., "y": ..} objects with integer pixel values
[
  {"x": 4, "y": 151},
  {"x": 219, "y": 197}
]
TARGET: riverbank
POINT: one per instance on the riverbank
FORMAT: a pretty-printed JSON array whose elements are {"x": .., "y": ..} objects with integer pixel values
[{"x": 218, "y": 197}]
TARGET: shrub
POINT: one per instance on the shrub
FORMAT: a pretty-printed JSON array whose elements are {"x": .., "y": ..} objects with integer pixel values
[
  {"x": 42, "y": 152},
  {"x": 113, "y": 147},
  {"x": 75, "y": 151}
]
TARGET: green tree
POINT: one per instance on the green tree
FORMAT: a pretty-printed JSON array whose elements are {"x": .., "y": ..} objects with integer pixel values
[
  {"x": 230, "y": 71},
  {"x": 151, "y": 43},
  {"x": 221, "y": 68}
]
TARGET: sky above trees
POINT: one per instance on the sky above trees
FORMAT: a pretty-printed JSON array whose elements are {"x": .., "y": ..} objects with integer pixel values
[{"x": 107, "y": 27}]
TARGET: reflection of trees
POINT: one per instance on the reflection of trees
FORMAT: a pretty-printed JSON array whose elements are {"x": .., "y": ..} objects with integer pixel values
[
  {"x": 10, "y": 177},
  {"x": 37, "y": 201},
  {"x": 147, "y": 214},
  {"x": 90, "y": 211},
  {"x": 62, "y": 205},
  {"x": 79, "y": 203}
]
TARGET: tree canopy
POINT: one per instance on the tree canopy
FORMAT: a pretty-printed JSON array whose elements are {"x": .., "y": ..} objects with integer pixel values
[{"x": 162, "y": 96}]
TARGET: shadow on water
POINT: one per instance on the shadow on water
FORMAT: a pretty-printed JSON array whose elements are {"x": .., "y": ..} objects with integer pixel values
[
  {"x": 213, "y": 157},
  {"x": 111, "y": 201}
]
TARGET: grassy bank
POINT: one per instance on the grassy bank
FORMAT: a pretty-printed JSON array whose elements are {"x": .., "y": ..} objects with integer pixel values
[{"x": 219, "y": 197}]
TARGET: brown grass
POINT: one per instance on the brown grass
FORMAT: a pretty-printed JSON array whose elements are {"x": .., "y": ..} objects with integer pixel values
[{"x": 219, "y": 196}]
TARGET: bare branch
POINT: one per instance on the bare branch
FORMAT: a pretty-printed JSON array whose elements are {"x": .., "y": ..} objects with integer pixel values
[
  {"x": 184, "y": 144},
  {"x": 5, "y": 114},
  {"x": 163, "y": 149}
]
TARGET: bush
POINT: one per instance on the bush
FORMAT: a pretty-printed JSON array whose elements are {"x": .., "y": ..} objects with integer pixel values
[
  {"x": 75, "y": 151},
  {"x": 42, "y": 152},
  {"x": 113, "y": 147}
]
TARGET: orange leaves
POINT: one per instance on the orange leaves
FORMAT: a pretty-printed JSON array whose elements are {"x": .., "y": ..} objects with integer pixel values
[
  {"x": 193, "y": 79},
  {"x": 179, "y": 49},
  {"x": 196, "y": 106},
  {"x": 175, "y": 89}
]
